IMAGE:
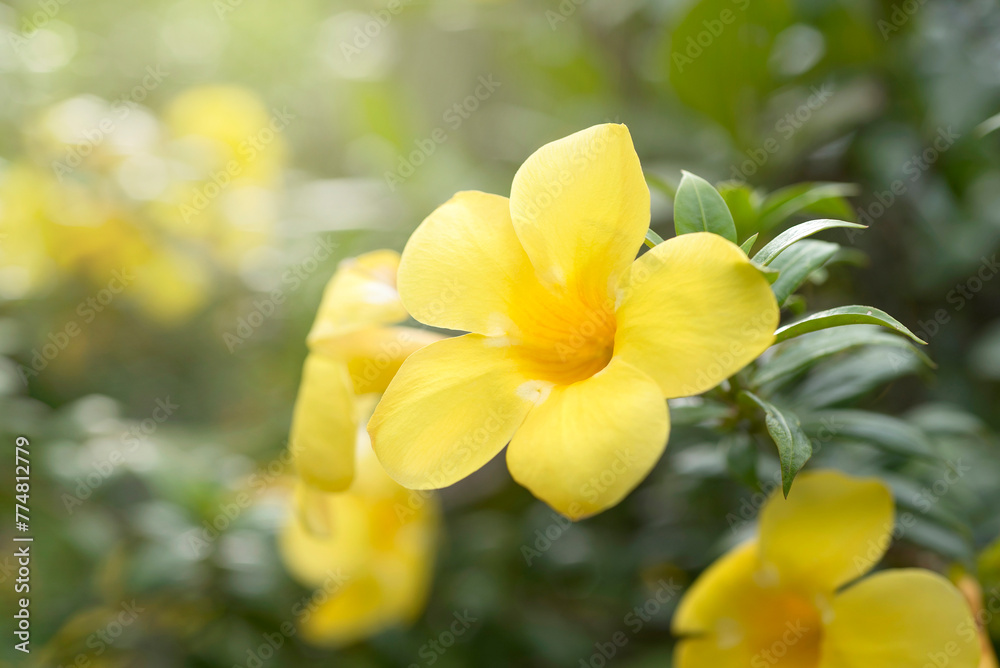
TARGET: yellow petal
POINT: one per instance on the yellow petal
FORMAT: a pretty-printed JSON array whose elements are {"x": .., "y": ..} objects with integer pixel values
[
  {"x": 738, "y": 617},
  {"x": 347, "y": 546},
  {"x": 451, "y": 408},
  {"x": 463, "y": 267},
  {"x": 693, "y": 311},
  {"x": 324, "y": 426},
  {"x": 590, "y": 443},
  {"x": 580, "y": 206},
  {"x": 831, "y": 529},
  {"x": 354, "y": 611},
  {"x": 374, "y": 355},
  {"x": 392, "y": 591},
  {"x": 901, "y": 618},
  {"x": 361, "y": 294}
]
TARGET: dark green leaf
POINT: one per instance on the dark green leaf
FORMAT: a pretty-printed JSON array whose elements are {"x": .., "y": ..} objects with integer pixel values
[
  {"x": 797, "y": 263},
  {"x": 839, "y": 380},
  {"x": 843, "y": 315},
  {"x": 772, "y": 250},
  {"x": 697, "y": 410},
  {"x": 792, "y": 357},
  {"x": 699, "y": 207},
  {"x": 884, "y": 431},
  {"x": 794, "y": 448}
]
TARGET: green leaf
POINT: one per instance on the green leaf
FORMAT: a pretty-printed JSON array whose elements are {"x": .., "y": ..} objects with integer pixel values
[
  {"x": 748, "y": 244},
  {"x": 844, "y": 315},
  {"x": 792, "y": 357},
  {"x": 697, "y": 410},
  {"x": 769, "y": 273},
  {"x": 839, "y": 380},
  {"x": 744, "y": 203},
  {"x": 699, "y": 207},
  {"x": 652, "y": 239},
  {"x": 883, "y": 431},
  {"x": 794, "y": 448},
  {"x": 797, "y": 263},
  {"x": 772, "y": 250},
  {"x": 945, "y": 419},
  {"x": 823, "y": 199}
]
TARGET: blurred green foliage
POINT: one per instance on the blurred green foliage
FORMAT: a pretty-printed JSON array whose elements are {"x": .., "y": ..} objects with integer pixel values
[{"x": 775, "y": 94}]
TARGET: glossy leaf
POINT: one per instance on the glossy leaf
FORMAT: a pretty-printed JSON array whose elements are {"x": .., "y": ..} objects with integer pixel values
[
  {"x": 773, "y": 249},
  {"x": 793, "y": 357},
  {"x": 794, "y": 447},
  {"x": 699, "y": 207},
  {"x": 844, "y": 315},
  {"x": 798, "y": 263}
]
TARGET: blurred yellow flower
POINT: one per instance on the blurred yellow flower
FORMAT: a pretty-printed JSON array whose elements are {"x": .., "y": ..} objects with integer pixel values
[
  {"x": 228, "y": 152},
  {"x": 354, "y": 350},
  {"x": 789, "y": 600},
  {"x": 370, "y": 543},
  {"x": 575, "y": 343},
  {"x": 369, "y": 551}
]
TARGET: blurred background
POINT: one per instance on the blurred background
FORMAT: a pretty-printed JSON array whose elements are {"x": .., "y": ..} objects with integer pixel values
[{"x": 178, "y": 181}]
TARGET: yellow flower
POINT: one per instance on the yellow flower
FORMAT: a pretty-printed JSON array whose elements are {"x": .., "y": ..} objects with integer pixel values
[
  {"x": 574, "y": 343},
  {"x": 365, "y": 542},
  {"x": 353, "y": 351},
  {"x": 789, "y": 600},
  {"x": 373, "y": 567}
]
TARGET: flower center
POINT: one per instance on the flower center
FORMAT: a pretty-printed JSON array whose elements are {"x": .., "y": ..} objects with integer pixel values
[
  {"x": 787, "y": 632},
  {"x": 564, "y": 338}
]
